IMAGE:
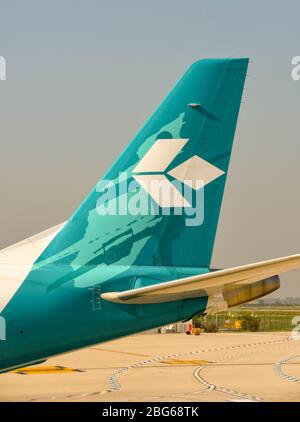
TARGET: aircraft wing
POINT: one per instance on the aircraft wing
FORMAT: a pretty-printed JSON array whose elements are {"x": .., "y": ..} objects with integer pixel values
[{"x": 212, "y": 283}]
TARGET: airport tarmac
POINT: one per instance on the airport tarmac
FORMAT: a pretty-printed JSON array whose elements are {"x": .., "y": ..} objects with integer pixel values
[{"x": 166, "y": 367}]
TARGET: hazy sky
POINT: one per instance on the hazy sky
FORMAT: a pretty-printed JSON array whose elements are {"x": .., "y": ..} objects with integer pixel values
[{"x": 83, "y": 76}]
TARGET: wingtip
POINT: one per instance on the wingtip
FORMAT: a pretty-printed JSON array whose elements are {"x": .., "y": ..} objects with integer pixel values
[{"x": 110, "y": 297}]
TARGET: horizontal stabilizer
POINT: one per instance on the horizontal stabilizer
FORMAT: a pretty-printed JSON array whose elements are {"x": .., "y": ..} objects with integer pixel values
[{"x": 205, "y": 284}]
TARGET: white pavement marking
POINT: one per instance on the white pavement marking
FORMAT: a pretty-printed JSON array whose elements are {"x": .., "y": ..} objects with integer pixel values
[
  {"x": 114, "y": 384},
  {"x": 279, "y": 370}
]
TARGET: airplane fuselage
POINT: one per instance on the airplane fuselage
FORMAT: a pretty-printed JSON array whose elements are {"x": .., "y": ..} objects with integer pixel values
[{"x": 50, "y": 316}]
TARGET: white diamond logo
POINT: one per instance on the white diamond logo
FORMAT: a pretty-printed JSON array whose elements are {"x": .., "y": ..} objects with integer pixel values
[
  {"x": 194, "y": 172},
  {"x": 196, "y": 169}
]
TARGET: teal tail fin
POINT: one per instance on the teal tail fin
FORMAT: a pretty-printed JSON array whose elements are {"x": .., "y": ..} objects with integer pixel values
[{"x": 184, "y": 148}]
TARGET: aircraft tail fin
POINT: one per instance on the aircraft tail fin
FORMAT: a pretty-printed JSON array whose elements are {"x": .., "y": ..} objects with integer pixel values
[{"x": 183, "y": 151}]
